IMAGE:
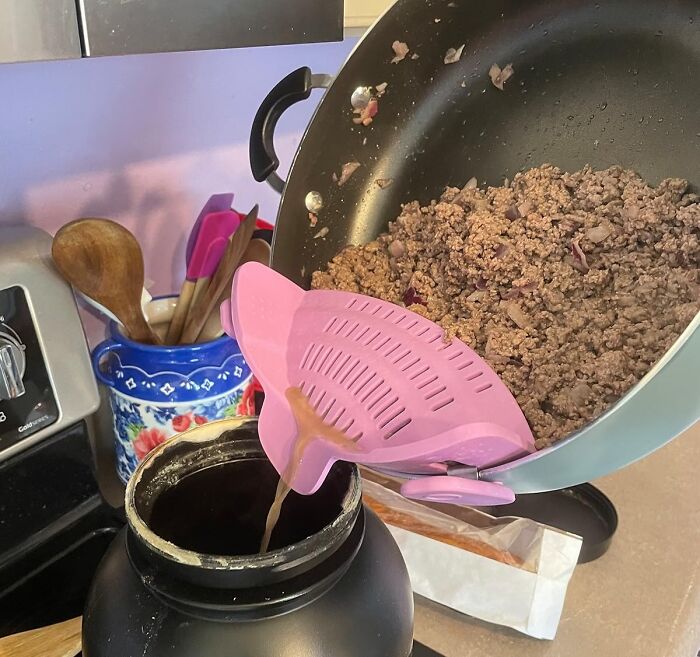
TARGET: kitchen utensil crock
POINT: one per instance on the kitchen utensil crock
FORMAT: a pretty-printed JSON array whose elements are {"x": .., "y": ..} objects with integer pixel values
[{"x": 157, "y": 392}]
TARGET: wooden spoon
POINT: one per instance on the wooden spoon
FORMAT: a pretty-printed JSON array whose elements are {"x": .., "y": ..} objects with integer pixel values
[
  {"x": 103, "y": 260},
  {"x": 59, "y": 640},
  {"x": 258, "y": 251}
]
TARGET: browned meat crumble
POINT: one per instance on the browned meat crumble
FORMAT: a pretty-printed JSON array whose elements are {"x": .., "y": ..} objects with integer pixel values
[{"x": 571, "y": 286}]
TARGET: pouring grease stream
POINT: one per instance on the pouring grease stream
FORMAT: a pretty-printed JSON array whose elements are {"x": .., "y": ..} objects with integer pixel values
[{"x": 310, "y": 426}]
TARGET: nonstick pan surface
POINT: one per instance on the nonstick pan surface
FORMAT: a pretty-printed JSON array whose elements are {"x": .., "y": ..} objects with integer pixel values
[{"x": 614, "y": 82}]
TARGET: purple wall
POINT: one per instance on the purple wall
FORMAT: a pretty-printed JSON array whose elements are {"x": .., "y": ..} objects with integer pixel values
[{"x": 144, "y": 140}]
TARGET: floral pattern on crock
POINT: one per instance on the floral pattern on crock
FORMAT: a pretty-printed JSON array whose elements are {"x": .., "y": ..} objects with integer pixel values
[
  {"x": 139, "y": 426},
  {"x": 247, "y": 403},
  {"x": 146, "y": 440}
]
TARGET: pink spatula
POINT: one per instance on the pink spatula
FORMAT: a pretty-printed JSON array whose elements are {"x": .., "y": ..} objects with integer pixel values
[
  {"x": 215, "y": 203},
  {"x": 213, "y": 234},
  {"x": 381, "y": 374}
]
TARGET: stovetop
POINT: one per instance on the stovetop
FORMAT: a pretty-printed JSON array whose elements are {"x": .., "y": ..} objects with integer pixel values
[
  {"x": 54, "y": 529},
  {"x": 52, "y": 585}
]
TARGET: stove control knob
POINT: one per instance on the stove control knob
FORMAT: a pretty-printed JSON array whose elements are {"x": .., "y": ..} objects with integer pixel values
[{"x": 11, "y": 370}]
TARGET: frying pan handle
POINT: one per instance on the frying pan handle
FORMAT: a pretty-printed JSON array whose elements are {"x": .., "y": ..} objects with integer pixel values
[{"x": 295, "y": 87}]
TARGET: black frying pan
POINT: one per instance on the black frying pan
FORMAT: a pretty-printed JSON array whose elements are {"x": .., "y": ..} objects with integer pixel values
[{"x": 614, "y": 82}]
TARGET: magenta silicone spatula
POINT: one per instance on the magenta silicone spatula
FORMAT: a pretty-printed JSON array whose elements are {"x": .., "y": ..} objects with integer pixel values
[
  {"x": 215, "y": 203},
  {"x": 202, "y": 265},
  {"x": 212, "y": 258},
  {"x": 384, "y": 376}
]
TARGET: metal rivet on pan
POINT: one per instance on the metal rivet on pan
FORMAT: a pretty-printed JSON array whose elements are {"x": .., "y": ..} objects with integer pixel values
[
  {"x": 314, "y": 202},
  {"x": 360, "y": 98}
]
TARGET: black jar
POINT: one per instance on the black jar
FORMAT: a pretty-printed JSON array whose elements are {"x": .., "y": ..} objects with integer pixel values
[{"x": 184, "y": 580}]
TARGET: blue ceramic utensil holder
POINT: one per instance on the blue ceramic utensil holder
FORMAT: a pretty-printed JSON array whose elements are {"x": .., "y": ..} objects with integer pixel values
[{"x": 156, "y": 392}]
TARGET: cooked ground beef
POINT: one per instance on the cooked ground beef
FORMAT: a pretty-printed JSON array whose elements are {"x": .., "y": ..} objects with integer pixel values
[{"x": 571, "y": 286}]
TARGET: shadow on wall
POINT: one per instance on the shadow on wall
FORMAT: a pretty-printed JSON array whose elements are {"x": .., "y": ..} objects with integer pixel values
[
  {"x": 144, "y": 140},
  {"x": 155, "y": 208}
]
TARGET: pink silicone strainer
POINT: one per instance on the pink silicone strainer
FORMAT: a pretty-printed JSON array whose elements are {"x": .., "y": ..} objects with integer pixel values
[{"x": 383, "y": 375}]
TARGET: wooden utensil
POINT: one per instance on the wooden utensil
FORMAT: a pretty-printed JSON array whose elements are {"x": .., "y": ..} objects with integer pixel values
[
  {"x": 59, "y": 640},
  {"x": 201, "y": 264},
  {"x": 184, "y": 300},
  {"x": 258, "y": 251},
  {"x": 103, "y": 260},
  {"x": 145, "y": 300},
  {"x": 222, "y": 278}
]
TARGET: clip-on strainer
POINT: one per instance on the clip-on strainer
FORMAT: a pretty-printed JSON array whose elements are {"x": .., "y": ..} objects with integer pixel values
[{"x": 381, "y": 374}]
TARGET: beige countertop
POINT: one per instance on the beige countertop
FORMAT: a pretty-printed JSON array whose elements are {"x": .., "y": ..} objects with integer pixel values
[{"x": 642, "y": 598}]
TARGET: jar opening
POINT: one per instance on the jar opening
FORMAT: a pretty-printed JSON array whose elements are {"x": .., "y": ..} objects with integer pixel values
[
  {"x": 221, "y": 509},
  {"x": 201, "y": 500}
]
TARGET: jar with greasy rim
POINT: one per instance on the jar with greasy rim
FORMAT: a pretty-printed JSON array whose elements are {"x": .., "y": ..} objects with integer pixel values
[{"x": 185, "y": 579}]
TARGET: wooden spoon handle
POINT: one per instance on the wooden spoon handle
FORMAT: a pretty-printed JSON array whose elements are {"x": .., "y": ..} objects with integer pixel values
[
  {"x": 200, "y": 313},
  {"x": 258, "y": 250},
  {"x": 137, "y": 328},
  {"x": 59, "y": 640},
  {"x": 212, "y": 327},
  {"x": 180, "y": 314},
  {"x": 200, "y": 288}
]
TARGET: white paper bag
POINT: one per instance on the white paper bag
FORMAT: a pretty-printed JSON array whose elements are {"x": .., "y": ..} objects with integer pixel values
[{"x": 521, "y": 585}]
